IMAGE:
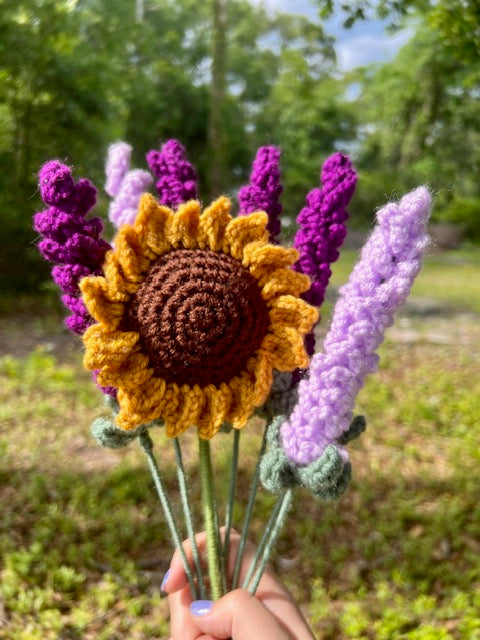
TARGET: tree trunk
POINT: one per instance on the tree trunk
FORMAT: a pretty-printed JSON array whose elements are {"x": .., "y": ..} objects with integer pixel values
[{"x": 217, "y": 95}]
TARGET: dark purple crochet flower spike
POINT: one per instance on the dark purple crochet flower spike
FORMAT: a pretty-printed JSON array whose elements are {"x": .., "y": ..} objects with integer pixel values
[
  {"x": 321, "y": 223},
  {"x": 264, "y": 189},
  {"x": 69, "y": 240},
  {"x": 176, "y": 177}
]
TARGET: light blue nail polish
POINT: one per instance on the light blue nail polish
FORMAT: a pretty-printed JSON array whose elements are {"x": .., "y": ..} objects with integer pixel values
[
  {"x": 201, "y": 607},
  {"x": 165, "y": 580}
]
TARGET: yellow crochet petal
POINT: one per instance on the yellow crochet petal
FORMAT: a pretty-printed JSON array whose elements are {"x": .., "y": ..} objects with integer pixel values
[
  {"x": 285, "y": 281},
  {"x": 118, "y": 285},
  {"x": 151, "y": 223},
  {"x": 99, "y": 300},
  {"x": 142, "y": 407},
  {"x": 261, "y": 368},
  {"x": 293, "y": 312},
  {"x": 190, "y": 406},
  {"x": 243, "y": 230},
  {"x": 128, "y": 247},
  {"x": 213, "y": 222},
  {"x": 128, "y": 374},
  {"x": 242, "y": 401},
  {"x": 135, "y": 374},
  {"x": 263, "y": 259},
  {"x": 107, "y": 347},
  {"x": 217, "y": 403},
  {"x": 181, "y": 229},
  {"x": 286, "y": 349}
]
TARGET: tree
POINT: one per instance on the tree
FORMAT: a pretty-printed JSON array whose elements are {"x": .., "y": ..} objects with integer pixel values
[{"x": 420, "y": 124}]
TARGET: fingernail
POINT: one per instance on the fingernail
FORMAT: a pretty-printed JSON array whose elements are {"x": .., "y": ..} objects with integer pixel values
[
  {"x": 201, "y": 607},
  {"x": 165, "y": 580}
]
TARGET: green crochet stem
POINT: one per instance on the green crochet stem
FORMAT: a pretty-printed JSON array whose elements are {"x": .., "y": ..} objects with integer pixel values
[
  {"x": 248, "y": 513},
  {"x": 210, "y": 514},
  {"x": 147, "y": 445},
  {"x": 231, "y": 495},
  {"x": 263, "y": 542},
  {"x": 285, "y": 500},
  {"x": 187, "y": 512}
]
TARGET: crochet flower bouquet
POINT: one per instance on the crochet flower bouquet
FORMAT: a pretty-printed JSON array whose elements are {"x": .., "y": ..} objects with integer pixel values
[{"x": 193, "y": 318}]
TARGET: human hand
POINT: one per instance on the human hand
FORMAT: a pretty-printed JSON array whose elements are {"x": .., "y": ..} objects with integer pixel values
[{"x": 271, "y": 614}]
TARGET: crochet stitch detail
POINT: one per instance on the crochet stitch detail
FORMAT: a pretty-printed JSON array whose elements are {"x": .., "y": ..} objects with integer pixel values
[
  {"x": 176, "y": 177},
  {"x": 327, "y": 477},
  {"x": 322, "y": 227},
  {"x": 264, "y": 190},
  {"x": 379, "y": 283},
  {"x": 121, "y": 352},
  {"x": 200, "y": 315},
  {"x": 70, "y": 241}
]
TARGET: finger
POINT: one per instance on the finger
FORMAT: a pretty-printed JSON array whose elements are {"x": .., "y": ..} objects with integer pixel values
[
  {"x": 239, "y": 616},
  {"x": 181, "y": 625}
]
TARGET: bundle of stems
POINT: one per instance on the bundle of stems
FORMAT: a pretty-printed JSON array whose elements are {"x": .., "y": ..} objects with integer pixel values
[{"x": 218, "y": 545}]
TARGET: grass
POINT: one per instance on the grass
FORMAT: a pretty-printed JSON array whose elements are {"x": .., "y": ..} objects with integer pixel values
[{"x": 83, "y": 541}]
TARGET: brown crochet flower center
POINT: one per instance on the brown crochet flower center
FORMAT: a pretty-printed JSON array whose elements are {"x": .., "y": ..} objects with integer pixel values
[{"x": 200, "y": 316}]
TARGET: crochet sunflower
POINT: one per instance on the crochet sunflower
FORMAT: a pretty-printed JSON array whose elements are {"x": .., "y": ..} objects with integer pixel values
[{"x": 194, "y": 311}]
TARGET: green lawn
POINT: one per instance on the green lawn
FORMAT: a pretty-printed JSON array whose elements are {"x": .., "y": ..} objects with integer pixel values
[{"x": 83, "y": 543}]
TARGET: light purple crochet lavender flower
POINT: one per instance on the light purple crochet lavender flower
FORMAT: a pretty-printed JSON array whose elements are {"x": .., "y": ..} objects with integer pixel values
[
  {"x": 70, "y": 241},
  {"x": 379, "y": 283},
  {"x": 176, "y": 177},
  {"x": 117, "y": 165},
  {"x": 124, "y": 185},
  {"x": 322, "y": 227},
  {"x": 264, "y": 189}
]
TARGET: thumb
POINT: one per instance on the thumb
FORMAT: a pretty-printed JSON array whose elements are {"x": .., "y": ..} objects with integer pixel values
[{"x": 239, "y": 616}]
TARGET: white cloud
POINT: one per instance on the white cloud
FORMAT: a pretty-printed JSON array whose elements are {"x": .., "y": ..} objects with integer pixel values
[
  {"x": 365, "y": 43},
  {"x": 365, "y": 49}
]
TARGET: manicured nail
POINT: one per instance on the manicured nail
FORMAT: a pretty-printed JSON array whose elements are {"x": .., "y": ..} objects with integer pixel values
[
  {"x": 201, "y": 607},
  {"x": 165, "y": 580}
]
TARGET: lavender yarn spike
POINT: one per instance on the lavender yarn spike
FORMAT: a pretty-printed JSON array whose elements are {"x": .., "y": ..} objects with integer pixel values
[
  {"x": 322, "y": 227},
  {"x": 176, "y": 177},
  {"x": 381, "y": 281},
  {"x": 117, "y": 165},
  {"x": 264, "y": 189},
  {"x": 124, "y": 207}
]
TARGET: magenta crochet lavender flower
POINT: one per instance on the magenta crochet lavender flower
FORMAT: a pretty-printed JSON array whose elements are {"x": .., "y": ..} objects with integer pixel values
[
  {"x": 264, "y": 189},
  {"x": 322, "y": 227},
  {"x": 124, "y": 185},
  {"x": 176, "y": 177},
  {"x": 70, "y": 241},
  {"x": 380, "y": 283}
]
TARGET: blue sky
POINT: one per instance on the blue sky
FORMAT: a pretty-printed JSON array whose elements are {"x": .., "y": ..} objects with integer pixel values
[{"x": 364, "y": 43}]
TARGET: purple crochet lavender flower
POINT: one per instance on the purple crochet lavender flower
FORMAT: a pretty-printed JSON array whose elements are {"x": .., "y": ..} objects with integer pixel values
[
  {"x": 70, "y": 241},
  {"x": 176, "y": 177},
  {"x": 322, "y": 227},
  {"x": 379, "y": 283},
  {"x": 264, "y": 190}
]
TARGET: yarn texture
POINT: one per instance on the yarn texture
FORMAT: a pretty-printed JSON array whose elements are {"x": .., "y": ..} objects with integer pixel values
[
  {"x": 322, "y": 227},
  {"x": 194, "y": 312},
  {"x": 379, "y": 283},
  {"x": 176, "y": 178},
  {"x": 70, "y": 241},
  {"x": 264, "y": 190}
]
